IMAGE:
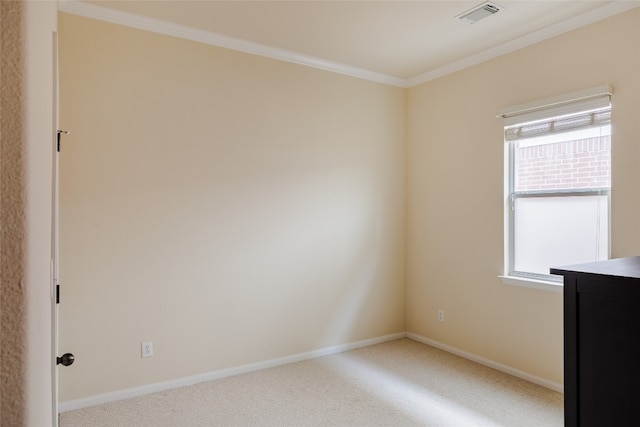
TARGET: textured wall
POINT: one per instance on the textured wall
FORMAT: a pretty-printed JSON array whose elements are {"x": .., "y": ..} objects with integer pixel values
[
  {"x": 26, "y": 130},
  {"x": 12, "y": 206}
]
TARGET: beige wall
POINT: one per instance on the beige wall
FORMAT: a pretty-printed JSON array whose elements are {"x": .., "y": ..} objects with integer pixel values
[
  {"x": 455, "y": 191},
  {"x": 234, "y": 209},
  {"x": 230, "y": 208},
  {"x": 26, "y": 128}
]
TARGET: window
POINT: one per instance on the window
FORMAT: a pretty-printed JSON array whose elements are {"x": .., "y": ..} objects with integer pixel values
[{"x": 558, "y": 182}]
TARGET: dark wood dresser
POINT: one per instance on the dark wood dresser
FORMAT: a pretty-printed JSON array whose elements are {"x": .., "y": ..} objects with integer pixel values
[{"x": 602, "y": 343}]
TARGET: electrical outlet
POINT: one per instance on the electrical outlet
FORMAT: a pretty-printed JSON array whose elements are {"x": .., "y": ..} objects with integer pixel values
[
  {"x": 440, "y": 315},
  {"x": 147, "y": 349}
]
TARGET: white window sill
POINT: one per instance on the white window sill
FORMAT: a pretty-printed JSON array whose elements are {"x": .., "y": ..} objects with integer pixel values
[{"x": 524, "y": 282}]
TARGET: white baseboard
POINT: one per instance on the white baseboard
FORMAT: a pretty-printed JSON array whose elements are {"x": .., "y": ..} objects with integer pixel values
[
  {"x": 72, "y": 405},
  {"x": 487, "y": 362}
]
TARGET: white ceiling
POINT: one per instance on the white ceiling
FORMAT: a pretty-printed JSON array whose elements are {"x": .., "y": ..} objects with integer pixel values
[{"x": 403, "y": 42}]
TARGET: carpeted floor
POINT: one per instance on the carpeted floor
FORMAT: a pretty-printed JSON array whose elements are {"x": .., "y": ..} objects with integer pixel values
[{"x": 398, "y": 383}]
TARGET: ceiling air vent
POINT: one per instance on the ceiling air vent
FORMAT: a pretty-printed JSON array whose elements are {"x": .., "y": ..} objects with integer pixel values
[{"x": 479, "y": 12}]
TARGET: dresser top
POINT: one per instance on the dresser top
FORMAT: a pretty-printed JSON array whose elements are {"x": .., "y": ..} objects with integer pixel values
[{"x": 619, "y": 267}]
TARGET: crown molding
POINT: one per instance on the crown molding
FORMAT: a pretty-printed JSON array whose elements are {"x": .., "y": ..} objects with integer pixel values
[
  {"x": 567, "y": 25},
  {"x": 88, "y": 10},
  {"x": 176, "y": 30}
]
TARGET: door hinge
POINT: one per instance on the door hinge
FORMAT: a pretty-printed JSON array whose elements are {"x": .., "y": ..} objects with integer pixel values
[
  {"x": 57, "y": 294},
  {"x": 59, "y": 132}
]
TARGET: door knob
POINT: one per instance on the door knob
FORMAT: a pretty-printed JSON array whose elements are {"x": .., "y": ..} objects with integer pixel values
[{"x": 66, "y": 359}]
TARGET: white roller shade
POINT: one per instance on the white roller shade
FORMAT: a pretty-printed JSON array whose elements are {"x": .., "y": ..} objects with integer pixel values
[
  {"x": 572, "y": 103},
  {"x": 566, "y": 123}
]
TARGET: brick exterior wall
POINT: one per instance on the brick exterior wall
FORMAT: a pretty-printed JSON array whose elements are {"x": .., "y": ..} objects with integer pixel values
[{"x": 584, "y": 163}]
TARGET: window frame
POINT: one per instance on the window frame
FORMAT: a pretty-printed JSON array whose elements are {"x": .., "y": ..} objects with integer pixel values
[{"x": 531, "y": 279}]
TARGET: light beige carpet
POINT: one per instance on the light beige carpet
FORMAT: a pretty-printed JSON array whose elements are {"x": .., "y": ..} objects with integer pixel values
[{"x": 399, "y": 383}]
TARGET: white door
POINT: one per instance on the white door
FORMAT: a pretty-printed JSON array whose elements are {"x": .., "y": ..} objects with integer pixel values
[
  {"x": 66, "y": 359},
  {"x": 54, "y": 236}
]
